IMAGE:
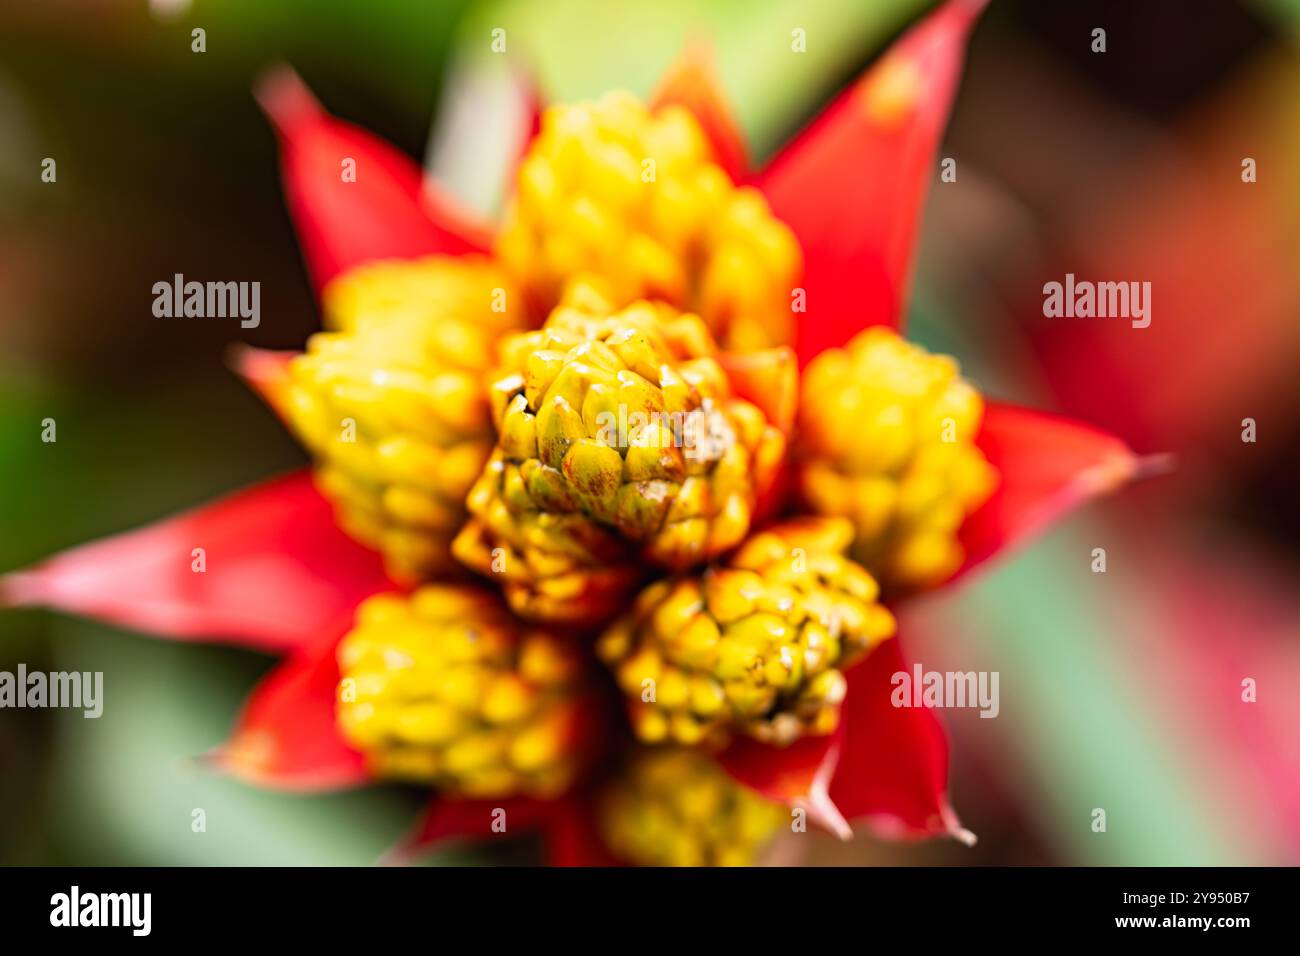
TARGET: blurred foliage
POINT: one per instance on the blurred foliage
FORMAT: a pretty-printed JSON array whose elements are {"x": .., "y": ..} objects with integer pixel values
[{"x": 581, "y": 48}]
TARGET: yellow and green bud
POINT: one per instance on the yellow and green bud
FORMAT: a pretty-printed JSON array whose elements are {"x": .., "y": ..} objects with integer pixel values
[
  {"x": 756, "y": 646},
  {"x": 619, "y": 438},
  {"x": 678, "y": 808},
  {"x": 886, "y": 437},
  {"x": 445, "y": 687},
  {"x": 392, "y": 405},
  {"x": 633, "y": 197}
]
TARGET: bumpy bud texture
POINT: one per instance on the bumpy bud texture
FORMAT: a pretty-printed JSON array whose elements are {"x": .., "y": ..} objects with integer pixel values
[
  {"x": 886, "y": 437},
  {"x": 754, "y": 647},
  {"x": 678, "y": 808},
  {"x": 393, "y": 404},
  {"x": 632, "y": 197},
  {"x": 445, "y": 687},
  {"x": 619, "y": 437}
]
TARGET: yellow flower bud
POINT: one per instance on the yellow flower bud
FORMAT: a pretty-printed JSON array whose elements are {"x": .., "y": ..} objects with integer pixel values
[
  {"x": 392, "y": 405},
  {"x": 445, "y": 687},
  {"x": 756, "y": 647},
  {"x": 620, "y": 444},
  {"x": 678, "y": 808},
  {"x": 612, "y": 190},
  {"x": 886, "y": 437}
]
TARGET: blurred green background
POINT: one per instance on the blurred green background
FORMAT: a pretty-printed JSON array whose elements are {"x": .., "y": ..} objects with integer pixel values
[{"x": 1119, "y": 690}]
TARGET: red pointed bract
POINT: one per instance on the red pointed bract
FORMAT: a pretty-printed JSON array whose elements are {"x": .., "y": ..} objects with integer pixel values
[
  {"x": 797, "y": 775},
  {"x": 692, "y": 82},
  {"x": 892, "y": 771},
  {"x": 276, "y": 574},
  {"x": 287, "y": 737},
  {"x": 1047, "y": 465},
  {"x": 265, "y": 371},
  {"x": 852, "y": 185},
  {"x": 353, "y": 197},
  {"x": 886, "y": 767}
]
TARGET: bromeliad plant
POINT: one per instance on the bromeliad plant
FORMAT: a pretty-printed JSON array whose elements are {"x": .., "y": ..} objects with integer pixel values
[{"x": 666, "y": 413}]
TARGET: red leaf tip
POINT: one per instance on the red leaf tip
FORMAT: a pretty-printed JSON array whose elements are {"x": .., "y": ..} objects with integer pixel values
[
  {"x": 822, "y": 811},
  {"x": 972, "y": 8},
  {"x": 1153, "y": 466},
  {"x": 284, "y": 98},
  {"x": 817, "y": 801},
  {"x": 265, "y": 371},
  {"x": 1123, "y": 468},
  {"x": 243, "y": 757},
  {"x": 211, "y": 761},
  {"x": 21, "y": 589},
  {"x": 952, "y": 826}
]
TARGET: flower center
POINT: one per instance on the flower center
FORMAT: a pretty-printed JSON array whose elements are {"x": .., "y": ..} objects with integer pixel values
[{"x": 618, "y": 437}]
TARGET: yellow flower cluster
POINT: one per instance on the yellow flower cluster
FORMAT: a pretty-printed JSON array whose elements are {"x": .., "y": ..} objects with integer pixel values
[
  {"x": 446, "y": 687},
  {"x": 631, "y": 199},
  {"x": 619, "y": 438},
  {"x": 391, "y": 402},
  {"x": 887, "y": 438},
  {"x": 678, "y": 808},
  {"x": 755, "y": 646},
  {"x": 568, "y": 419}
]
